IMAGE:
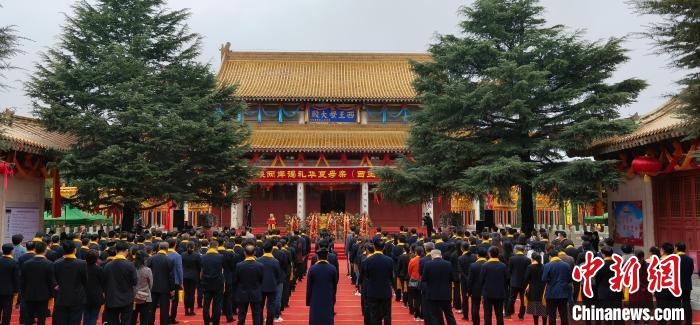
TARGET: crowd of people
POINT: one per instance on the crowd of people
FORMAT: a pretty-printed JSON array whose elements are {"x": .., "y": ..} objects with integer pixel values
[
  {"x": 126, "y": 277},
  {"x": 489, "y": 271}
]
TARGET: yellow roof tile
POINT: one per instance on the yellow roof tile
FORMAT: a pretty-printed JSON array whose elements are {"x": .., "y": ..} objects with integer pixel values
[
  {"x": 312, "y": 76},
  {"x": 29, "y": 135},
  {"x": 329, "y": 138},
  {"x": 661, "y": 124}
]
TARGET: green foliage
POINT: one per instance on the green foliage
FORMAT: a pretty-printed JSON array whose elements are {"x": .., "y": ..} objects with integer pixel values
[
  {"x": 9, "y": 48},
  {"x": 505, "y": 102},
  {"x": 151, "y": 122},
  {"x": 678, "y": 34}
]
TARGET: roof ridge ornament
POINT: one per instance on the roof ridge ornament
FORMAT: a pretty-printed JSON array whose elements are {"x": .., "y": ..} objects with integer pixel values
[{"x": 225, "y": 50}]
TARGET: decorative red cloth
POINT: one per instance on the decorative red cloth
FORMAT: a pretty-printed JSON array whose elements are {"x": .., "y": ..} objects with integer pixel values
[{"x": 6, "y": 170}]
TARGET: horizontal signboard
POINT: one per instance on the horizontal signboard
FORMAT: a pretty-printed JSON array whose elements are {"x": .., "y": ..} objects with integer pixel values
[
  {"x": 333, "y": 114},
  {"x": 315, "y": 175}
]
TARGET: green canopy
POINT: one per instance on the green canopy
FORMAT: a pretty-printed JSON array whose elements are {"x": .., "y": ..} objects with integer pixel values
[
  {"x": 597, "y": 219},
  {"x": 71, "y": 216}
]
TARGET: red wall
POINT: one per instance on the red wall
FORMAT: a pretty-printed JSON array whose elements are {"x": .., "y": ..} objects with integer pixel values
[
  {"x": 391, "y": 214},
  {"x": 352, "y": 199},
  {"x": 313, "y": 199},
  {"x": 279, "y": 199},
  {"x": 223, "y": 215}
]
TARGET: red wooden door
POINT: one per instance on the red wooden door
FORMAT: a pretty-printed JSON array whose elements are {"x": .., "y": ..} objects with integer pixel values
[{"x": 677, "y": 209}]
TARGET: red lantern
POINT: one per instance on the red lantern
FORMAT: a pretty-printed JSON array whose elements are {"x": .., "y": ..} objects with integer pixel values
[{"x": 647, "y": 166}]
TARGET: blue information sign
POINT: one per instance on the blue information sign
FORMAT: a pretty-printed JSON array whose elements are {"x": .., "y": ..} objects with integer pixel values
[{"x": 333, "y": 114}]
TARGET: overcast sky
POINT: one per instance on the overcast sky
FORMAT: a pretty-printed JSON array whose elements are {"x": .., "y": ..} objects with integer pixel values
[{"x": 345, "y": 25}]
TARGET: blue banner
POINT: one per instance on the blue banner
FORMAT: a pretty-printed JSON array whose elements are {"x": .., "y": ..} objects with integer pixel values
[{"x": 333, "y": 114}]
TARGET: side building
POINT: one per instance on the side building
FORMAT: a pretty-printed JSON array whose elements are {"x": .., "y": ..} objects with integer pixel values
[
  {"x": 659, "y": 201},
  {"x": 26, "y": 149}
]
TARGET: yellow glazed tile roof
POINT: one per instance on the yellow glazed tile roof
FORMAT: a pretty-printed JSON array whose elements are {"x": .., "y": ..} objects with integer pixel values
[
  {"x": 29, "y": 135},
  {"x": 313, "y": 76},
  {"x": 329, "y": 138},
  {"x": 661, "y": 124}
]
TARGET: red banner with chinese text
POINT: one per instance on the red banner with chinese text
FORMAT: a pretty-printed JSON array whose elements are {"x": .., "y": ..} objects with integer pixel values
[{"x": 315, "y": 175}]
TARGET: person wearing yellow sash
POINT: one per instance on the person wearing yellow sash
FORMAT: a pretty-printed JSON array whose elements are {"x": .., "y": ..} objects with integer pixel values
[
  {"x": 71, "y": 279},
  {"x": 163, "y": 289},
  {"x": 272, "y": 276},
  {"x": 557, "y": 275},
  {"x": 9, "y": 272},
  {"x": 493, "y": 277},
  {"x": 36, "y": 284},
  {"x": 176, "y": 258},
  {"x": 212, "y": 283},
  {"x": 247, "y": 281},
  {"x": 94, "y": 290},
  {"x": 377, "y": 273},
  {"x": 534, "y": 291},
  {"x": 321, "y": 288},
  {"x": 517, "y": 265},
  {"x": 437, "y": 277},
  {"x": 464, "y": 261},
  {"x": 687, "y": 267}
]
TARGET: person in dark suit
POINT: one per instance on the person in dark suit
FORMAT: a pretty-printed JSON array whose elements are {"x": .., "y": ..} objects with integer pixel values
[
  {"x": 464, "y": 262},
  {"x": 120, "y": 279},
  {"x": 377, "y": 271},
  {"x": 428, "y": 223},
  {"x": 54, "y": 252},
  {"x": 162, "y": 268},
  {"x": 401, "y": 271},
  {"x": 203, "y": 248},
  {"x": 176, "y": 258},
  {"x": 332, "y": 256},
  {"x": 230, "y": 261},
  {"x": 94, "y": 290},
  {"x": 249, "y": 214},
  {"x": 321, "y": 287},
  {"x": 26, "y": 256},
  {"x": 248, "y": 281},
  {"x": 437, "y": 275},
  {"x": 284, "y": 258},
  {"x": 474, "y": 285},
  {"x": 191, "y": 266},
  {"x": 9, "y": 286},
  {"x": 485, "y": 242},
  {"x": 71, "y": 279},
  {"x": 535, "y": 291},
  {"x": 493, "y": 279},
  {"x": 517, "y": 265},
  {"x": 687, "y": 267},
  {"x": 425, "y": 310},
  {"x": 557, "y": 275},
  {"x": 212, "y": 284},
  {"x": 37, "y": 283},
  {"x": 271, "y": 278},
  {"x": 664, "y": 298}
]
